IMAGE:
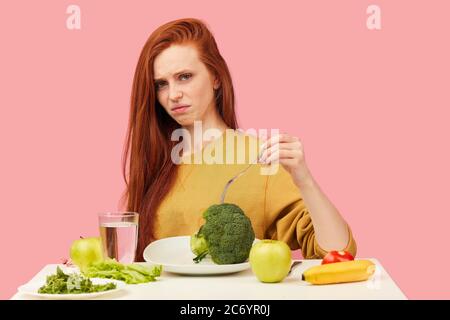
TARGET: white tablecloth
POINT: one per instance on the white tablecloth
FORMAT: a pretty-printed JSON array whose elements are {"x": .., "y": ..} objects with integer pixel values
[{"x": 245, "y": 286}]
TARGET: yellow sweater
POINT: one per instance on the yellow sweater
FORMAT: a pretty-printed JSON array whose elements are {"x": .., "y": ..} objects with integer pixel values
[{"x": 273, "y": 203}]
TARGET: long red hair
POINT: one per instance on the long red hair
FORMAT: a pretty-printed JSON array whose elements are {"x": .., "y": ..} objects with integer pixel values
[{"x": 151, "y": 172}]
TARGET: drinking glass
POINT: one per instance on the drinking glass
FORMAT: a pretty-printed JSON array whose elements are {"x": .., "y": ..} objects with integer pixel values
[{"x": 119, "y": 234}]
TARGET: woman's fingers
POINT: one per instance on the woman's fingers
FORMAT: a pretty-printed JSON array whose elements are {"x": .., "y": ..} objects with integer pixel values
[
  {"x": 278, "y": 155},
  {"x": 280, "y": 146},
  {"x": 282, "y": 137}
]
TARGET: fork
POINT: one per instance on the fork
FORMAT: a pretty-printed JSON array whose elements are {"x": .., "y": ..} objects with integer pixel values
[
  {"x": 294, "y": 263},
  {"x": 222, "y": 198}
]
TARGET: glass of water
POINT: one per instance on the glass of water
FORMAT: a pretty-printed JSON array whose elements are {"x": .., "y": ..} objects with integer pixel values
[{"x": 119, "y": 234}]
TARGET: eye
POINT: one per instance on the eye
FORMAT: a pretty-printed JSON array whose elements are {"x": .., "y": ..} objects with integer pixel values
[
  {"x": 159, "y": 85},
  {"x": 186, "y": 76}
]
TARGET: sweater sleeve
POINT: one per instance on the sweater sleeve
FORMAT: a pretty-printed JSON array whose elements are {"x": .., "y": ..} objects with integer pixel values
[{"x": 287, "y": 218}]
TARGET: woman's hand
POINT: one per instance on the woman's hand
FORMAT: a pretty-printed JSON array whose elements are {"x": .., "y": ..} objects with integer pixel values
[
  {"x": 331, "y": 230},
  {"x": 288, "y": 151}
]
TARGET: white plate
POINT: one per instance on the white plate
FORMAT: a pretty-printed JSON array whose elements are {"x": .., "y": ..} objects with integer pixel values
[
  {"x": 175, "y": 255},
  {"x": 32, "y": 288}
]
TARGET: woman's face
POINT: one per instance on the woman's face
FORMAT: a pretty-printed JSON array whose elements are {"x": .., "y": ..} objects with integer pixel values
[{"x": 181, "y": 79}]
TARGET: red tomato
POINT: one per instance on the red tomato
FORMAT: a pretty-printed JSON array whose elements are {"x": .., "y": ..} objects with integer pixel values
[{"x": 337, "y": 256}]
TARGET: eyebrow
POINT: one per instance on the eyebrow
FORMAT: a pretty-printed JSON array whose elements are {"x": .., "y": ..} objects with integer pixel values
[{"x": 175, "y": 74}]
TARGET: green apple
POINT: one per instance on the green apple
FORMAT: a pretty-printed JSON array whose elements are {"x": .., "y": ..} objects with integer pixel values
[
  {"x": 270, "y": 260},
  {"x": 86, "y": 251}
]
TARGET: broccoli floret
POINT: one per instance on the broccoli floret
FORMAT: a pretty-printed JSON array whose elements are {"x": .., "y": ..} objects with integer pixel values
[
  {"x": 198, "y": 244},
  {"x": 228, "y": 234}
]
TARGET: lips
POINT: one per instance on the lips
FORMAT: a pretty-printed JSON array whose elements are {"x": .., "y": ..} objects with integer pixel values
[{"x": 179, "y": 106}]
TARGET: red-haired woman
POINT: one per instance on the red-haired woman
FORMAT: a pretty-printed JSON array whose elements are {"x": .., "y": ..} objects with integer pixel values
[{"x": 181, "y": 78}]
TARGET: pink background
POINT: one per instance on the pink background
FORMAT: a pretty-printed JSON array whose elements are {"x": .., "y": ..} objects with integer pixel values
[{"x": 370, "y": 106}]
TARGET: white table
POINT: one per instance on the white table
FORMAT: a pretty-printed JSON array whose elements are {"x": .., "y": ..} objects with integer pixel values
[{"x": 245, "y": 286}]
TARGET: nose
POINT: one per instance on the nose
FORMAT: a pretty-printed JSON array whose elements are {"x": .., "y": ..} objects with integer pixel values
[{"x": 174, "y": 93}]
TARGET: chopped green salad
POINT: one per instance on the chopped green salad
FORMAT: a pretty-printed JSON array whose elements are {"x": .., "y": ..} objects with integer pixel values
[
  {"x": 62, "y": 283},
  {"x": 133, "y": 273}
]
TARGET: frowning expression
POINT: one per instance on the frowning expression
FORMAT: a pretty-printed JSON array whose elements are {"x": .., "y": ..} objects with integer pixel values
[{"x": 184, "y": 85}]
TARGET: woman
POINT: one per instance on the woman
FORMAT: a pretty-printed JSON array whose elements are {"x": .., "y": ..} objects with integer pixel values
[{"x": 181, "y": 78}]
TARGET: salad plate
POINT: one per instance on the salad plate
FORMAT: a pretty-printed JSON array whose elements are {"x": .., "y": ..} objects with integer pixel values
[{"x": 31, "y": 288}]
